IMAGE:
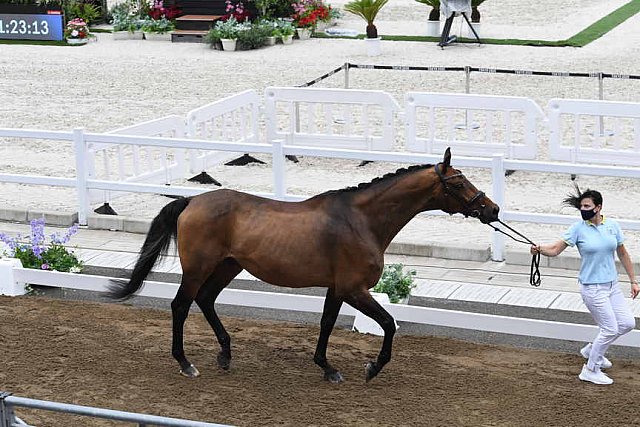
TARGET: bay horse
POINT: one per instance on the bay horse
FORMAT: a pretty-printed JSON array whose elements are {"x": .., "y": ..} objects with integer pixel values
[{"x": 335, "y": 240}]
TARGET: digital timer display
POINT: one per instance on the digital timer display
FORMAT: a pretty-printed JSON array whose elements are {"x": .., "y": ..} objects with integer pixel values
[{"x": 31, "y": 27}]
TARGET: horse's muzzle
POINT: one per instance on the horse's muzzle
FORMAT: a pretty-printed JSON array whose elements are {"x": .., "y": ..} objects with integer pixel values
[{"x": 486, "y": 214}]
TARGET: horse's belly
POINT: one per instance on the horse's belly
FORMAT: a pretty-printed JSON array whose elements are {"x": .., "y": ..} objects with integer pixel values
[{"x": 290, "y": 272}]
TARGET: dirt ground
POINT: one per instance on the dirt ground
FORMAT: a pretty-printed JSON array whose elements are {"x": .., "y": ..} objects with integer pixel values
[{"x": 118, "y": 357}]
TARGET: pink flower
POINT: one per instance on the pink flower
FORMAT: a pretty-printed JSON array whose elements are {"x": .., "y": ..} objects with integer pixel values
[{"x": 44, "y": 266}]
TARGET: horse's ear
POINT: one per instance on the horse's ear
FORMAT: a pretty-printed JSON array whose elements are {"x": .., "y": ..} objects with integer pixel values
[{"x": 447, "y": 158}]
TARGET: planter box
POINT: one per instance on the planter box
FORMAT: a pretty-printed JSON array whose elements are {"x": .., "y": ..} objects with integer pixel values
[
  {"x": 157, "y": 37},
  {"x": 126, "y": 35}
]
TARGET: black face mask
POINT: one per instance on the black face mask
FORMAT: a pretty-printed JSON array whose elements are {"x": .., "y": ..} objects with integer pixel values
[{"x": 587, "y": 214}]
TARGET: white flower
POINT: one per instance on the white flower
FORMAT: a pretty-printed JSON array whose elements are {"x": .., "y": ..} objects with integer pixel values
[
  {"x": 74, "y": 33},
  {"x": 5, "y": 250},
  {"x": 74, "y": 270}
]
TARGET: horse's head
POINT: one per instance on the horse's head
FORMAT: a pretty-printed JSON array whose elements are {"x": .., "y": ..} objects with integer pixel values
[{"x": 461, "y": 196}]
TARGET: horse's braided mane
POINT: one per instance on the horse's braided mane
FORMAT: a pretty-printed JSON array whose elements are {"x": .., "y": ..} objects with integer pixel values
[{"x": 375, "y": 181}]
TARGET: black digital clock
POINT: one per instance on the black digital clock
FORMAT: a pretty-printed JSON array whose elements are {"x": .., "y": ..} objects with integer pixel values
[{"x": 31, "y": 27}]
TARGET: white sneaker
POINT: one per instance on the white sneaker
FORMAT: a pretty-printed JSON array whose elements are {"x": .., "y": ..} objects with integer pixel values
[
  {"x": 584, "y": 351},
  {"x": 596, "y": 377}
]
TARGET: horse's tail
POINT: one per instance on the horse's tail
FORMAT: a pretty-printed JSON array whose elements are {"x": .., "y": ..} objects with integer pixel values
[{"x": 163, "y": 228}]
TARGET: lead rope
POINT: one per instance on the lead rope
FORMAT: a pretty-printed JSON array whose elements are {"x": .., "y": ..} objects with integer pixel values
[{"x": 534, "y": 273}]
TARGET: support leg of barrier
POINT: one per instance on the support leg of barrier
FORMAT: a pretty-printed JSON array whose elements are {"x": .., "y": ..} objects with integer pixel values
[
  {"x": 7, "y": 416},
  {"x": 105, "y": 209},
  {"x": 204, "y": 178},
  {"x": 80, "y": 149},
  {"x": 8, "y": 284},
  {"x": 244, "y": 160}
]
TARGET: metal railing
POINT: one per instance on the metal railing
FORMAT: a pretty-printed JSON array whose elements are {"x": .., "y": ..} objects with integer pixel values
[{"x": 8, "y": 418}]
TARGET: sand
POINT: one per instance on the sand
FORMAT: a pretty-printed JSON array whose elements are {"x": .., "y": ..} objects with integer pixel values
[{"x": 110, "y": 84}]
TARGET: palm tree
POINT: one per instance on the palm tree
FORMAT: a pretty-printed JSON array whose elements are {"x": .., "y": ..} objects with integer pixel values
[{"x": 367, "y": 10}]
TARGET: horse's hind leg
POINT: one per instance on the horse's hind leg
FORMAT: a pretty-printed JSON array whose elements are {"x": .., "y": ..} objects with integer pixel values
[
  {"x": 221, "y": 277},
  {"x": 180, "y": 310},
  {"x": 329, "y": 315},
  {"x": 364, "y": 302}
]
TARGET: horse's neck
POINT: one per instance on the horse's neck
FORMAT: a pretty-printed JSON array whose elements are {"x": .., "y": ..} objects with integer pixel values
[{"x": 389, "y": 208}]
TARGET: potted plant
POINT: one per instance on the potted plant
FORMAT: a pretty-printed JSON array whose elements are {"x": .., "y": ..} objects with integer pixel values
[
  {"x": 126, "y": 21},
  {"x": 475, "y": 17},
  {"x": 395, "y": 283},
  {"x": 433, "y": 23},
  {"x": 157, "y": 29},
  {"x": 286, "y": 31},
  {"x": 34, "y": 252},
  {"x": 368, "y": 10},
  {"x": 77, "y": 32},
  {"x": 227, "y": 31}
]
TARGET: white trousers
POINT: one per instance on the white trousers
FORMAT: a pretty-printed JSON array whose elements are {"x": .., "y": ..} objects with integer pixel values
[{"x": 611, "y": 313}]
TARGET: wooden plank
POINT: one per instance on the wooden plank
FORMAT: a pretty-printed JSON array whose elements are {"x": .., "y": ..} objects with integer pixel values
[{"x": 210, "y": 18}]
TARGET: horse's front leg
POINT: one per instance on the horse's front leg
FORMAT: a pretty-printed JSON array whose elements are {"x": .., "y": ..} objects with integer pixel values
[
  {"x": 367, "y": 305},
  {"x": 329, "y": 315}
]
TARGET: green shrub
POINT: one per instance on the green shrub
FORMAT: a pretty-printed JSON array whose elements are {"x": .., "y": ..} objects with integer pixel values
[
  {"x": 253, "y": 37},
  {"x": 395, "y": 282}
]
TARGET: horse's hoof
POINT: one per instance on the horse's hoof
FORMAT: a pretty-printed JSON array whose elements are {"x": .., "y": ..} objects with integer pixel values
[
  {"x": 224, "y": 362},
  {"x": 333, "y": 377},
  {"x": 371, "y": 370},
  {"x": 190, "y": 372}
]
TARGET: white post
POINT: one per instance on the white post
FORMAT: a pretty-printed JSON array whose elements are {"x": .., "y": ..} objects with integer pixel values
[
  {"x": 279, "y": 164},
  {"x": 346, "y": 75},
  {"x": 81, "y": 175},
  {"x": 8, "y": 285},
  {"x": 498, "y": 188}
]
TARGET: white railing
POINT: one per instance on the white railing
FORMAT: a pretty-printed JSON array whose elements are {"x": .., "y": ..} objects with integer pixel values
[
  {"x": 278, "y": 150},
  {"x": 602, "y": 132},
  {"x": 139, "y": 164},
  {"x": 472, "y": 125},
  {"x": 231, "y": 119},
  {"x": 291, "y": 141},
  {"x": 314, "y": 304},
  {"x": 340, "y": 118}
]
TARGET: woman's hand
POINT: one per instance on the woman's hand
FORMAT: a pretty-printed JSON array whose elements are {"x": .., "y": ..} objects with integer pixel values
[
  {"x": 635, "y": 290},
  {"x": 535, "y": 249}
]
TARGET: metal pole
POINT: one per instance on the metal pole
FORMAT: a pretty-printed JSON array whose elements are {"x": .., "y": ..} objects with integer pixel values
[
  {"x": 601, "y": 98},
  {"x": 346, "y": 75}
]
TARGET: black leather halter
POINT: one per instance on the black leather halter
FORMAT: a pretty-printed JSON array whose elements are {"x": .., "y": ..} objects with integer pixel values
[
  {"x": 467, "y": 204},
  {"x": 534, "y": 274}
]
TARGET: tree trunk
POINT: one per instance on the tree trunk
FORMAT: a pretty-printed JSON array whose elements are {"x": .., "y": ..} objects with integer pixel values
[
  {"x": 434, "y": 15},
  {"x": 372, "y": 31}
]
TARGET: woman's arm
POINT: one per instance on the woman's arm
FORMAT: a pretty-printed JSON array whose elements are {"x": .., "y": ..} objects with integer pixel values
[
  {"x": 550, "y": 249},
  {"x": 625, "y": 259}
]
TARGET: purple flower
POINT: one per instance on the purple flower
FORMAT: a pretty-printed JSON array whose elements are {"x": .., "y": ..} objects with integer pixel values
[{"x": 44, "y": 266}]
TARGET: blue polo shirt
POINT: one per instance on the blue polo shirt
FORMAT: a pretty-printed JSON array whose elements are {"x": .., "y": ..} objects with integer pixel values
[{"x": 597, "y": 245}]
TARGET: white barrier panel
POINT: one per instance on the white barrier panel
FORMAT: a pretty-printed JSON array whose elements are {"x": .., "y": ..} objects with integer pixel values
[
  {"x": 231, "y": 119},
  {"x": 339, "y": 118},
  {"x": 138, "y": 163},
  {"x": 472, "y": 125},
  {"x": 587, "y": 131}
]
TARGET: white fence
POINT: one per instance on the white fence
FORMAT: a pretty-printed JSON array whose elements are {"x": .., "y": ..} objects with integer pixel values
[
  {"x": 231, "y": 126},
  {"x": 472, "y": 125},
  {"x": 15, "y": 276}
]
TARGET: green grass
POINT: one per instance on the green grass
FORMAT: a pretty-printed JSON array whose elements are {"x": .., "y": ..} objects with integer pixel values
[{"x": 583, "y": 38}]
